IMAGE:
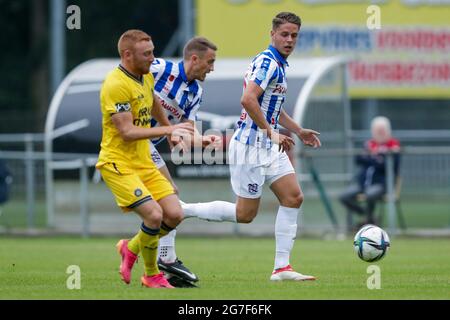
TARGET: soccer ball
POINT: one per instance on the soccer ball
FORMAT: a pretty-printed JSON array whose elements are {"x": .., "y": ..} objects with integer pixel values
[{"x": 371, "y": 243}]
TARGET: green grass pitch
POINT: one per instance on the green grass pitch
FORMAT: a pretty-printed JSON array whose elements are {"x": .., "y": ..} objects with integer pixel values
[{"x": 229, "y": 268}]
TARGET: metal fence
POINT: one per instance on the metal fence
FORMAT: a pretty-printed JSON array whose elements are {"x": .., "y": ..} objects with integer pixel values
[
  {"x": 83, "y": 205},
  {"x": 423, "y": 190}
]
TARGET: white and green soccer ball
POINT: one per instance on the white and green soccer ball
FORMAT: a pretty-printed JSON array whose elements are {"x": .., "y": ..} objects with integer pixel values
[{"x": 371, "y": 243}]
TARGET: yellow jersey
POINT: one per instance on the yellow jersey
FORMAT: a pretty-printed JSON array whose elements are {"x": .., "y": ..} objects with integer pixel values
[{"x": 122, "y": 92}]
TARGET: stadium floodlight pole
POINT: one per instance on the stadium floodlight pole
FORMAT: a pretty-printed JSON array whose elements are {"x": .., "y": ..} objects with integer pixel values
[
  {"x": 57, "y": 43},
  {"x": 186, "y": 25},
  {"x": 185, "y": 30},
  {"x": 173, "y": 44}
]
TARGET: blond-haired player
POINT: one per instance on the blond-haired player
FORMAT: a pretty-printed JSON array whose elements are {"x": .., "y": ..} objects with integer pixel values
[
  {"x": 128, "y": 104},
  {"x": 177, "y": 85}
]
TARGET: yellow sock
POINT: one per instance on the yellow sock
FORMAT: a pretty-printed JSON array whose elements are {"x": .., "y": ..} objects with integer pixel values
[
  {"x": 148, "y": 244},
  {"x": 133, "y": 244}
]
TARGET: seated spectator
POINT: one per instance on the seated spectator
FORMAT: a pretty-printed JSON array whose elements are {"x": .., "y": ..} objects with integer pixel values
[{"x": 371, "y": 178}]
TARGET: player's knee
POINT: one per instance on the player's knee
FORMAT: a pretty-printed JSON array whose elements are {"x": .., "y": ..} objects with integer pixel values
[
  {"x": 245, "y": 216},
  {"x": 245, "y": 219},
  {"x": 154, "y": 215},
  {"x": 298, "y": 200},
  {"x": 174, "y": 218},
  {"x": 293, "y": 201}
]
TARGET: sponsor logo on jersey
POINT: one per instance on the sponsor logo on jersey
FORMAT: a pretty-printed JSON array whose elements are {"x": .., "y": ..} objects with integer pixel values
[
  {"x": 174, "y": 111},
  {"x": 279, "y": 89},
  {"x": 144, "y": 122},
  {"x": 144, "y": 117},
  {"x": 123, "y": 107}
]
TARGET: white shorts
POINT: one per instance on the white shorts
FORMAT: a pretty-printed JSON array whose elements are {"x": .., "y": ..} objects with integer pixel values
[
  {"x": 156, "y": 157},
  {"x": 251, "y": 167}
]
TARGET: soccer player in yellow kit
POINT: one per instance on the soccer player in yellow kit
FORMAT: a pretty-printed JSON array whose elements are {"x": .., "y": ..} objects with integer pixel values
[{"x": 127, "y": 105}]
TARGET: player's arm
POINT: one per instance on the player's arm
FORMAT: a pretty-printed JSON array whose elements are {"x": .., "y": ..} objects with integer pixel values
[
  {"x": 307, "y": 136},
  {"x": 250, "y": 103},
  {"x": 116, "y": 99},
  {"x": 129, "y": 132}
]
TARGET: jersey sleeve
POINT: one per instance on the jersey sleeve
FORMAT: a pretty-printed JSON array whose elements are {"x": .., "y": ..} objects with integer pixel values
[
  {"x": 157, "y": 68},
  {"x": 264, "y": 72},
  {"x": 115, "y": 98}
]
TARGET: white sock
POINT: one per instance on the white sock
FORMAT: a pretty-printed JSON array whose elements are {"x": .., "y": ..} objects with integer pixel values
[
  {"x": 285, "y": 233},
  {"x": 166, "y": 249},
  {"x": 218, "y": 211}
]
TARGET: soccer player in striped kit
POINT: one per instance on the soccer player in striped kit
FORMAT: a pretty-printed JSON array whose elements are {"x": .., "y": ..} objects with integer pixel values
[{"x": 257, "y": 151}]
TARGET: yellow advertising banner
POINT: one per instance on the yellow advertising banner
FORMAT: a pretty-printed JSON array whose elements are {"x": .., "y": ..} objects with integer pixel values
[{"x": 402, "y": 47}]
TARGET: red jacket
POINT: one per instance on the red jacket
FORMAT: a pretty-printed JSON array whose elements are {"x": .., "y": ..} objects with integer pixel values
[{"x": 373, "y": 163}]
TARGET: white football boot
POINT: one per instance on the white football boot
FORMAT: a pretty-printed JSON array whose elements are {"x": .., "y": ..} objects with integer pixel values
[{"x": 287, "y": 273}]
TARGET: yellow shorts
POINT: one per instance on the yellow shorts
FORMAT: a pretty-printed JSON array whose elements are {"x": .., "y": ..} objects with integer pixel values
[{"x": 131, "y": 187}]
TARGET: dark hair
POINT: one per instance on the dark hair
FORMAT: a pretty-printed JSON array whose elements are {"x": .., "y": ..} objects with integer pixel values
[
  {"x": 197, "y": 45},
  {"x": 285, "y": 17}
]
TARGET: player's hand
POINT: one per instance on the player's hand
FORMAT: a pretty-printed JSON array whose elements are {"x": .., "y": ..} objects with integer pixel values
[
  {"x": 309, "y": 138},
  {"x": 171, "y": 144},
  {"x": 182, "y": 129},
  {"x": 180, "y": 135},
  {"x": 212, "y": 141},
  {"x": 285, "y": 143},
  {"x": 179, "y": 143}
]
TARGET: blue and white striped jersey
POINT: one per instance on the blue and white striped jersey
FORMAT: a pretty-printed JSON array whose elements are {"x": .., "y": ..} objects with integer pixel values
[
  {"x": 268, "y": 71},
  {"x": 179, "y": 98}
]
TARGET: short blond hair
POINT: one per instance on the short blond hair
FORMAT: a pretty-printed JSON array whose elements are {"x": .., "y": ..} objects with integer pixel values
[
  {"x": 129, "y": 38},
  {"x": 197, "y": 45}
]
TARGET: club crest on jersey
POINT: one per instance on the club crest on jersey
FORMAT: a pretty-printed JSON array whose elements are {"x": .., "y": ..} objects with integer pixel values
[
  {"x": 156, "y": 157},
  {"x": 261, "y": 75},
  {"x": 138, "y": 192},
  {"x": 123, "y": 107},
  {"x": 253, "y": 188}
]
